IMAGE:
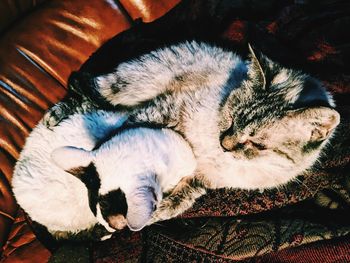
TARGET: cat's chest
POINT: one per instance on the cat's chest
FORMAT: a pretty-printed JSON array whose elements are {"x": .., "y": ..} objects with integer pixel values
[{"x": 200, "y": 125}]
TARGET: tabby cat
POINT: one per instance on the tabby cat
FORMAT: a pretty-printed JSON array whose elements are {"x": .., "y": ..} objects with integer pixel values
[{"x": 252, "y": 124}]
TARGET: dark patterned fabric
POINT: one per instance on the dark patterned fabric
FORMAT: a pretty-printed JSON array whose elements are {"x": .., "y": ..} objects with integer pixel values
[
  {"x": 296, "y": 223},
  {"x": 122, "y": 247},
  {"x": 329, "y": 251},
  {"x": 242, "y": 237}
]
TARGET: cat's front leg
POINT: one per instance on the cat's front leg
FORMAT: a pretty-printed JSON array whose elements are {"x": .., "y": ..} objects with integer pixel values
[{"x": 181, "y": 198}]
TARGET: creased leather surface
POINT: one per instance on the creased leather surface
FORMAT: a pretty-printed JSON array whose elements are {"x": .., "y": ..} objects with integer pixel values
[
  {"x": 148, "y": 10},
  {"x": 11, "y": 10},
  {"x": 22, "y": 245},
  {"x": 37, "y": 54}
]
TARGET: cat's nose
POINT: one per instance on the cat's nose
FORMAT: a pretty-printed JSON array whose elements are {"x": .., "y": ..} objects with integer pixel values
[
  {"x": 117, "y": 222},
  {"x": 227, "y": 143},
  {"x": 231, "y": 143}
]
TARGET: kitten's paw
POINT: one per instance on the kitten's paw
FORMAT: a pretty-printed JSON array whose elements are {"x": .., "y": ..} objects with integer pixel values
[
  {"x": 168, "y": 208},
  {"x": 54, "y": 115},
  {"x": 160, "y": 215},
  {"x": 182, "y": 198}
]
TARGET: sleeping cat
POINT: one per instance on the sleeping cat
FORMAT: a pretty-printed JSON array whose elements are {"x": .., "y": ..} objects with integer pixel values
[
  {"x": 68, "y": 180},
  {"x": 252, "y": 124}
]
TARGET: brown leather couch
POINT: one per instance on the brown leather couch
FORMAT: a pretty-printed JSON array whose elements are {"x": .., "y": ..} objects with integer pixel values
[{"x": 41, "y": 42}]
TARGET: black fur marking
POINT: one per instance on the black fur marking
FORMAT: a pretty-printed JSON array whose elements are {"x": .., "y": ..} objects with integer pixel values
[
  {"x": 311, "y": 146},
  {"x": 312, "y": 95},
  {"x": 286, "y": 155},
  {"x": 119, "y": 85},
  {"x": 113, "y": 203},
  {"x": 88, "y": 175},
  {"x": 43, "y": 235},
  {"x": 84, "y": 85}
]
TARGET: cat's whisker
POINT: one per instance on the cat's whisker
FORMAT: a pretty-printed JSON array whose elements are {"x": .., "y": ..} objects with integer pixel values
[
  {"x": 303, "y": 184},
  {"x": 283, "y": 187}
]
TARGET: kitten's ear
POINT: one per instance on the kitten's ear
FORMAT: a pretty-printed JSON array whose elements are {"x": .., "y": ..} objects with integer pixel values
[
  {"x": 323, "y": 122},
  {"x": 142, "y": 202},
  {"x": 71, "y": 159},
  {"x": 255, "y": 71}
]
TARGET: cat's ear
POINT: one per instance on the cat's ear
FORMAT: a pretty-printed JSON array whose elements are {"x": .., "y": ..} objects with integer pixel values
[
  {"x": 256, "y": 72},
  {"x": 72, "y": 159},
  {"x": 323, "y": 122},
  {"x": 141, "y": 204}
]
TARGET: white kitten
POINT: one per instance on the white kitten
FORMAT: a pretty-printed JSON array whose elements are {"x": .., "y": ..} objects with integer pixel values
[{"x": 124, "y": 177}]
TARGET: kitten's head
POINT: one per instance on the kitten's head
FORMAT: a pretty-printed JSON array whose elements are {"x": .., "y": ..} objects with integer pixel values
[
  {"x": 117, "y": 200},
  {"x": 279, "y": 121}
]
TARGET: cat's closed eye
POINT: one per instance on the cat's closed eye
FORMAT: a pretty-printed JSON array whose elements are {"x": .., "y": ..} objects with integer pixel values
[
  {"x": 231, "y": 143},
  {"x": 259, "y": 146},
  {"x": 249, "y": 144}
]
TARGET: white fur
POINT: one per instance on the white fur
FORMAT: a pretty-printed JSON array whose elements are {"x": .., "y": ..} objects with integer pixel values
[
  {"x": 136, "y": 158},
  {"x": 59, "y": 200},
  {"x": 69, "y": 157},
  {"x": 161, "y": 153},
  {"x": 280, "y": 77},
  {"x": 49, "y": 195}
]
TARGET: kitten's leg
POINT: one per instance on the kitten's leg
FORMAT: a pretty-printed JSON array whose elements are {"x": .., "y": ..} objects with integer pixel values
[{"x": 183, "y": 196}]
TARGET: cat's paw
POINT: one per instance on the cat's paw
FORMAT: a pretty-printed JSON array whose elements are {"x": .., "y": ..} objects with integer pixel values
[
  {"x": 54, "y": 115},
  {"x": 182, "y": 198},
  {"x": 160, "y": 215},
  {"x": 168, "y": 208}
]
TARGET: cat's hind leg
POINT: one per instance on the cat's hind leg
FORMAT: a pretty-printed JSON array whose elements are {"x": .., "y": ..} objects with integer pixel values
[
  {"x": 79, "y": 99},
  {"x": 64, "y": 109}
]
